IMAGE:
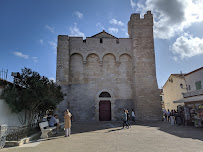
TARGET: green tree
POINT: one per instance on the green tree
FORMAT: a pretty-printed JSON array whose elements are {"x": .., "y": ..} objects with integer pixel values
[{"x": 32, "y": 95}]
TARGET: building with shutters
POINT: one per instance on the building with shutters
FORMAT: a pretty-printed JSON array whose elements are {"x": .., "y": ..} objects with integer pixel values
[
  {"x": 183, "y": 89},
  {"x": 194, "y": 87}
]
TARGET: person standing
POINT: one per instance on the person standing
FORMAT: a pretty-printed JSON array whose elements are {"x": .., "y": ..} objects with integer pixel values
[
  {"x": 128, "y": 118},
  {"x": 175, "y": 114},
  {"x": 178, "y": 119},
  {"x": 67, "y": 121},
  {"x": 172, "y": 117},
  {"x": 124, "y": 118},
  {"x": 168, "y": 115},
  {"x": 165, "y": 115},
  {"x": 182, "y": 116},
  {"x": 133, "y": 115}
]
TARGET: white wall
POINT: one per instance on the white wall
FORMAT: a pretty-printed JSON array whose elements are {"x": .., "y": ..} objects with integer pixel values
[
  {"x": 6, "y": 116},
  {"x": 194, "y": 77}
]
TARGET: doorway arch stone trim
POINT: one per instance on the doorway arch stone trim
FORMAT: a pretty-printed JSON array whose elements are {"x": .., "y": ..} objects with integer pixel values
[{"x": 98, "y": 99}]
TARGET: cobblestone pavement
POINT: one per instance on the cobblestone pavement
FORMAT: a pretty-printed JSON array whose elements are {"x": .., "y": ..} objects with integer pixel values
[{"x": 109, "y": 137}]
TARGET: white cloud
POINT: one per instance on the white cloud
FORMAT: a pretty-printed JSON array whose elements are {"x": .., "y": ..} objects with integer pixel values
[
  {"x": 187, "y": 46},
  {"x": 21, "y": 55},
  {"x": 35, "y": 59},
  {"x": 113, "y": 30},
  {"x": 53, "y": 44},
  {"x": 114, "y": 21},
  {"x": 75, "y": 31},
  {"x": 52, "y": 78},
  {"x": 41, "y": 41},
  {"x": 79, "y": 14},
  {"x": 175, "y": 58},
  {"x": 51, "y": 29},
  {"x": 172, "y": 16},
  {"x": 132, "y": 4},
  {"x": 100, "y": 26}
]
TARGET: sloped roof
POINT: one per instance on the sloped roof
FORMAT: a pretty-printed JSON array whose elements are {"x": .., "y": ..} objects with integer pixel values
[
  {"x": 176, "y": 75},
  {"x": 182, "y": 75},
  {"x": 4, "y": 82},
  {"x": 194, "y": 71},
  {"x": 103, "y": 34}
]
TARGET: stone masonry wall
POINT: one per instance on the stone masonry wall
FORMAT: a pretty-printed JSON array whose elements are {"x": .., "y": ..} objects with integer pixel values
[
  {"x": 95, "y": 67},
  {"x": 146, "y": 95}
]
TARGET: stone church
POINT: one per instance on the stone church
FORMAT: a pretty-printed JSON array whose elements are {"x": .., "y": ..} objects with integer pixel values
[{"x": 103, "y": 74}]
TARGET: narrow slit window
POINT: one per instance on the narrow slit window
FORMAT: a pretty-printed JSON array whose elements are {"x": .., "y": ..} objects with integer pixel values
[
  {"x": 189, "y": 87},
  {"x": 101, "y": 41}
]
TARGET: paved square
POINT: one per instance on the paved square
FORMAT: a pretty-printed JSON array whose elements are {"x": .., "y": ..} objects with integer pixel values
[{"x": 109, "y": 137}]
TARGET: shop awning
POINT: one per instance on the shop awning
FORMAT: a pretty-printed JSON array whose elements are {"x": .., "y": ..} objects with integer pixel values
[{"x": 190, "y": 99}]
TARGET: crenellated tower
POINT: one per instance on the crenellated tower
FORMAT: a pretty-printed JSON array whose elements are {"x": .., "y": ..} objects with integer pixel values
[
  {"x": 63, "y": 55},
  {"x": 146, "y": 95}
]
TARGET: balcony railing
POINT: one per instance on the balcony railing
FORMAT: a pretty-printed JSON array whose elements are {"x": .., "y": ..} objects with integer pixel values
[{"x": 193, "y": 93}]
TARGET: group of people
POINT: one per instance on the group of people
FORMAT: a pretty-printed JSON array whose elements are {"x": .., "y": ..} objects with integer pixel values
[
  {"x": 173, "y": 116},
  {"x": 126, "y": 118},
  {"x": 54, "y": 122}
]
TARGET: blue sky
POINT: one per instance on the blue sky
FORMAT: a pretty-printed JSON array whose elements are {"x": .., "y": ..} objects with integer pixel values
[{"x": 29, "y": 29}]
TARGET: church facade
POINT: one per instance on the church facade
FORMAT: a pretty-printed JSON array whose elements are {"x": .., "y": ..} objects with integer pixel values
[{"x": 103, "y": 75}]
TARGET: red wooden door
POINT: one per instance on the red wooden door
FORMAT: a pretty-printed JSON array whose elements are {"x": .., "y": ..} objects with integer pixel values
[{"x": 105, "y": 110}]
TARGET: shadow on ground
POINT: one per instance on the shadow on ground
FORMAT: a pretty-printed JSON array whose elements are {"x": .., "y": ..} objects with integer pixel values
[
  {"x": 83, "y": 127},
  {"x": 137, "y": 128},
  {"x": 180, "y": 131}
]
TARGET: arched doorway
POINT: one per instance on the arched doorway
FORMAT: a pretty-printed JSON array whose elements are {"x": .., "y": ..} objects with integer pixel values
[{"x": 104, "y": 107}]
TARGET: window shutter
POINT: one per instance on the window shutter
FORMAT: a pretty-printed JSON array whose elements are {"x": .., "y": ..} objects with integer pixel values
[{"x": 198, "y": 85}]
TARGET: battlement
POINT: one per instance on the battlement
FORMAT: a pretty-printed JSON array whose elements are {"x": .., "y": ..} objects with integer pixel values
[
  {"x": 148, "y": 15},
  {"x": 140, "y": 27},
  {"x": 63, "y": 38},
  {"x": 135, "y": 16},
  {"x": 63, "y": 41},
  {"x": 98, "y": 41},
  {"x": 147, "y": 20}
]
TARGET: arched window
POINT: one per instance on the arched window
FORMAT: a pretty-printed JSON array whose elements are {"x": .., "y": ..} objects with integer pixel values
[{"x": 105, "y": 95}]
